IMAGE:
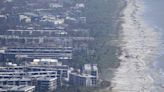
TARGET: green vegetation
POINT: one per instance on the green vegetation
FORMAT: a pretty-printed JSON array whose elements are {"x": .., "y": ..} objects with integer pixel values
[
  {"x": 101, "y": 20},
  {"x": 83, "y": 89},
  {"x": 102, "y": 16}
]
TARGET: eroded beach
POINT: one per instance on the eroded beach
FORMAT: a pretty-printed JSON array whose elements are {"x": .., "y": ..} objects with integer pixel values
[{"x": 138, "y": 45}]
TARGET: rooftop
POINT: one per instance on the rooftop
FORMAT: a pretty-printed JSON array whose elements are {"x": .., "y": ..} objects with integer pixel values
[
  {"x": 46, "y": 79},
  {"x": 82, "y": 75},
  {"x": 22, "y": 88}
]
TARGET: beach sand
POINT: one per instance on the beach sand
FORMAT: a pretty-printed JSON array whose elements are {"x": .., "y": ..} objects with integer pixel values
[{"x": 138, "y": 45}]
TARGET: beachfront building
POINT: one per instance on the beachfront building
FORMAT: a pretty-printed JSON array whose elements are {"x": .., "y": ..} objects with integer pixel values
[
  {"x": 82, "y": 79},
  {"x": 38, "y": 68},
  {"x": 88, "y": 76},
  {"x": 90, "y": 69},
  {"x": 47, "y": 74}
]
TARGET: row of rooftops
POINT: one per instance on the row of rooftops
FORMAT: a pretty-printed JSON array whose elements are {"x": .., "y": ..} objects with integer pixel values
[
  {"x": 46, "y": 70},
  {"x": 48, "y": 16},
  {"x": 34, "y": 33},
  {"x": 21, "y": 88},
  {"x": 44, "y": 17},
  {"x": 90, "y": 67},
  {"x": 83, "y": 75},
  {"x": 27, "y": 79}
]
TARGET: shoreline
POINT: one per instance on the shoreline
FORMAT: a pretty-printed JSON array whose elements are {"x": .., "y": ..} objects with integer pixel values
[
  {"x": 138, "y": 44},
  {"x": 111, "y": 71}
]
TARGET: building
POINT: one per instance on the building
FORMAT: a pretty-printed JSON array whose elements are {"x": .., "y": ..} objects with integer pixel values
[
  {"x": 38, "y": 68},
  {"x": 35, "y": 43},
  {"x": 41, "y": 82},
  {"x": 46, "y": 62},
  {"x": 24, "y": 18},
  {"x": 88, "y": 76},
  {"x": 51, "y": 65},
  {"x": 47, "y": 74},
  {"x": 82, "y": 79},
  {"x": 90, "y": 69},
  {"x": 22, "y": 89},
  {"x": 16, "y": 81},
  {"x": 38, "y": 52},
  {"x": 46, "y": 84},
  {"x": 3, "y": 20},
  {"x": 17, "y": 88}
]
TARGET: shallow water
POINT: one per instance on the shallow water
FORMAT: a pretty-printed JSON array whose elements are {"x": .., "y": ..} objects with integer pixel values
[{"x": 154, "y": 17}]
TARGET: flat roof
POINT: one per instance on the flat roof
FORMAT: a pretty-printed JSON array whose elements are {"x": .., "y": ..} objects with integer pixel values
[
  {"x": 16, "y": 79},
  {"x": 82, "y": 75},
  {"x": 22, "y": 88},
  {"x": 46, "y": 79}
]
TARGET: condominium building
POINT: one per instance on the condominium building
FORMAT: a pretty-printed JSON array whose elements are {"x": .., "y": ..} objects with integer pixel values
[
  {"x": 17, "y": 88},
  {"x": 82, "y": 79},
  {"x": 16, "y": 81},
  {"x": 46, "y": 84},
  {"x": 36, "y": 52},
  {"x": 90, "y": 69}
]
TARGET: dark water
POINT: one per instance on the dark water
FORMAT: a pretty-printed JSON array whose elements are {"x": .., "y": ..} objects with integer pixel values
[{"x": 154, "y": 16}]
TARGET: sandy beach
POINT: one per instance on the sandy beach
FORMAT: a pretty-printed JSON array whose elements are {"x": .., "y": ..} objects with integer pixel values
[{"x": 138, "y": 45}]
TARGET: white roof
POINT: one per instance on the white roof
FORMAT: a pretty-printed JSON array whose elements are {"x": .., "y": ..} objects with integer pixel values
[
  {"x": 82, "y": 75},
  {"x": 45, "y": 60},
  {"x": 90, "y": 67},
  {"x": 49, "y": 60},
  {"x": 87, "y": 67},
  {"x": 2, "y": 51},
  {"x": 36, "y": 60},
  {"x": 95, "y": 67},
  {"x": 22, "y": 88}
]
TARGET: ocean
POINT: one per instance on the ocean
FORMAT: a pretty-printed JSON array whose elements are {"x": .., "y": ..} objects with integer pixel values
[
  {"x": 154, "y": 17},
  {"x": 142, "y": 44}
]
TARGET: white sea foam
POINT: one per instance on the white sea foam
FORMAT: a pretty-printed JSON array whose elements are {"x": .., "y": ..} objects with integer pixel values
[{"x": 139, "y": 43}]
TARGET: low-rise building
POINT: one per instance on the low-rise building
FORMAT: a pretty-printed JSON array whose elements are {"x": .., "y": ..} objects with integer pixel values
[
  {"x": 47, "y": 74},
  {"x": 16, "y": 81},
  {"x": 46, "y": 84},
  {"x": 90, "y": 69},
  {"x": 82, "y": 79},
  {"x": 22, "y": 89},
  {"x": 63, "y": 53},
  {"x": 51, "y": 65},
  {"x": 46, "y": 62},
  {"x": 17, "y": 88}
]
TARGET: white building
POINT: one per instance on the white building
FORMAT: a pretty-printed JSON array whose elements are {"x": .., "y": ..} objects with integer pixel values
[
  {"x": 82, "y": 79},
  {"x": 17, "y": 88},
  {"x": 91, "y": 69},
  {"x": 46, "y": 62},
  {"x": 24, "y": 18},
  {"x": 55, "y": 5}
]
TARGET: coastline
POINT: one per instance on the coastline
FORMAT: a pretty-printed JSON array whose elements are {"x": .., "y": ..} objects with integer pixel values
[
  {"x": 138, "y": 45},
  {"x": 104, "y": 22}
]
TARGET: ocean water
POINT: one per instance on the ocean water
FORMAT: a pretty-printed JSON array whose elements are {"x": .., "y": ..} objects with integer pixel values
[{"x": 154, "y": 17}]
